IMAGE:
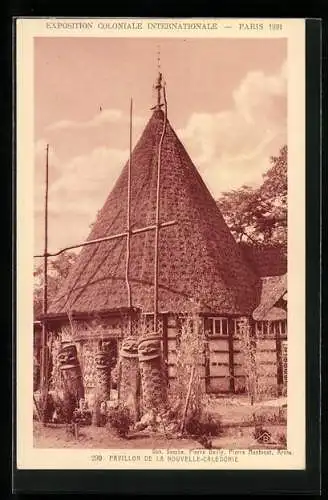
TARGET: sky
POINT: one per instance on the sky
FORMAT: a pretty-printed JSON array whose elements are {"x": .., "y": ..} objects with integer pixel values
[{"x": 227, "y": 101}]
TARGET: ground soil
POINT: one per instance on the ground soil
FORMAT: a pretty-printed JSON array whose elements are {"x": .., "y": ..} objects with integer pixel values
[
  {"x": 102, "y": 438},
  {"x": 234, "y": 413}
]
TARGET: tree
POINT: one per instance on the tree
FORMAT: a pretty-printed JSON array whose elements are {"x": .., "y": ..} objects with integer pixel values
[
  {"x": 58, "y": 270},
  {"x": 260, "y": 215}
]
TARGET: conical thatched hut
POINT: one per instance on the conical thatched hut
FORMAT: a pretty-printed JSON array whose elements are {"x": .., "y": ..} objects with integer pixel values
[{"x": 202, "y": 271}]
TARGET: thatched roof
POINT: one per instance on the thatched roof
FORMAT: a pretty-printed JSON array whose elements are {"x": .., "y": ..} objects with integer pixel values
[
  {"x": 201, "y": 265},
  {"x": 275, "y": 314},
  {"x": 266, "y": 260},
  {"x": 273, "y": 289}
]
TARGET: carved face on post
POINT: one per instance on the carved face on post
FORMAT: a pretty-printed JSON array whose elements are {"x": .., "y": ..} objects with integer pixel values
[
  {"x": 149, "y": 348},
  {"x": 102, "y": 360},
  {"x": 67, "y": 357},
  {"x": 129, "y": 348}
]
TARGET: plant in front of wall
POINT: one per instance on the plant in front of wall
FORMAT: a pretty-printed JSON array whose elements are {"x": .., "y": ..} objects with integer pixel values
[
  {"x": 248, "y": 349},
  {"x": 189, "y": 355},
  {"x": 120, "y": 420}
]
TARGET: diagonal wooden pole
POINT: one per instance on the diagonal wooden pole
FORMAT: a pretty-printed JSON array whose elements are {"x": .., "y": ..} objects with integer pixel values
[{"x": 108, "y": 238}]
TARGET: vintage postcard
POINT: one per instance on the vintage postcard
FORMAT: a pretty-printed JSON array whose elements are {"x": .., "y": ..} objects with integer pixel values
[{"x": 160, "y": 243}]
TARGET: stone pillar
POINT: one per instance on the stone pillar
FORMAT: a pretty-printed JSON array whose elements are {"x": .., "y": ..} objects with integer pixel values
[
  {"x": 152, "y": 374},
  {"x": 71, "y": 377},
  {"x": 130, "y": 376}
]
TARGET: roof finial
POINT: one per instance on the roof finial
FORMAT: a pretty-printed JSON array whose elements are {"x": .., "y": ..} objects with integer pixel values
[
  {"x": 159, "y": 80},
  {"x": 159, "y": 58},
  {"x": 158, "y": 87}
]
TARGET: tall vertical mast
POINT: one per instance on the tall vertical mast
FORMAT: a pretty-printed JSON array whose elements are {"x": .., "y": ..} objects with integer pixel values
[
  {"x": 128, "y": 223},
  {"x": 44, "y": 340},
  {"x": 158, "y": 87},
  {"x": 45, "y": 288}
]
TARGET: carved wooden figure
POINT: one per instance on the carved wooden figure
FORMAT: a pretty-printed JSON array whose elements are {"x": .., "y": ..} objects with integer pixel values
[
  {"x": 130, "y": 376},
  {"x": 103, "y": 375},
  {"x": 152, "y": 373},
  {"x": 71, "y": 375}
]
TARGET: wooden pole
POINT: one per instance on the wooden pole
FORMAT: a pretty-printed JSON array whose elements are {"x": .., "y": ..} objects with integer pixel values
[
  {"x": 108, "y": 238},
  {"x": 44, "y": 356},
  {"x": 157, "y": 221},
  {"x": 128, "y": 223}
]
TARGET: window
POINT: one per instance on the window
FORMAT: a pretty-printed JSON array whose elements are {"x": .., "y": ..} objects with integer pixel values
[
  {"x": 259, "y": 328},
  {"x": 236, "y": 332},
  {"x": 270, "y": 328},
  {"x": 216, "y": 326},
  {"x": 283, "y": 328}
]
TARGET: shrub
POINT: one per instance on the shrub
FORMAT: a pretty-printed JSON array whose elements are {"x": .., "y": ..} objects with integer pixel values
[
  {"x": 240, "y": 389},
  {"x": 119, "y": 418},
  {"x": 190, "y": 345},
  {"x": 270, "y": 417},
  {"x": 248, "y": 348},
  {"x": 282, "y": 439},
  {"x": 266, "y": 390},
  {"x": 202, "y": 424}
]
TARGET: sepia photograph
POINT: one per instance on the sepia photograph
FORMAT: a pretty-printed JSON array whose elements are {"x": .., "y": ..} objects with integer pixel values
[
  {"x": 160, "y": 187},
  {"x": 161, "y": 316}
]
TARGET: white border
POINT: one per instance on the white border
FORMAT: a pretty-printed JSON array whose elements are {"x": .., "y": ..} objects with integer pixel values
[{"x": 33, "y": 458}]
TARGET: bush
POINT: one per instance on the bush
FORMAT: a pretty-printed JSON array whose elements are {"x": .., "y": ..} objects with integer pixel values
[
  {"x": 120, "y": 419},
  {"x": 201, "y": 424},
  {"x": 271, "y": 417},
  {"x": 282, "y": 439},
  {"x": 240, "y": 389}
]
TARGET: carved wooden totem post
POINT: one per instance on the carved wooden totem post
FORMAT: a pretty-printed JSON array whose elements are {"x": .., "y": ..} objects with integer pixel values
[
  {"x": 72, "y": 379},
  {"x": 152, "y": 373},
  {"x": 103, "y": 371},
  {"x": 103, "y": 383},
  {"x": 130, "y": 376}
]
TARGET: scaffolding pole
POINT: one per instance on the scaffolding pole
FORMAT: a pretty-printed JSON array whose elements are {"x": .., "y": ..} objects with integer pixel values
[
  {"x": 44, "y": 339},
  {"x": 128, "y": 223},
  {"x": 158, "y": 200},
  {"x": 108, "y": 238}
]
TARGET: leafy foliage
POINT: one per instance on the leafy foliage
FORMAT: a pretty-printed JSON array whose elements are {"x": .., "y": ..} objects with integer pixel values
[
  {"x": 202, "y": 423},
  {"x": 58, "y": 269},
  {"x": 190, "y": 344},
  {"x": 282, "y": 439},
  {"x": 248, "y": 349},
  {"x": 260, "y": 215},
  {"x": 120, "y": 419}
]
